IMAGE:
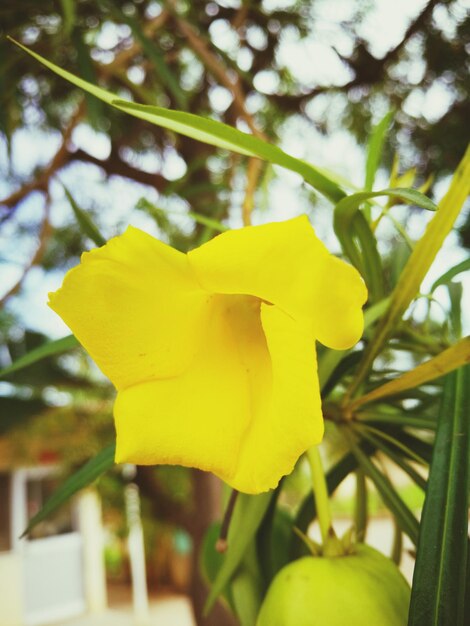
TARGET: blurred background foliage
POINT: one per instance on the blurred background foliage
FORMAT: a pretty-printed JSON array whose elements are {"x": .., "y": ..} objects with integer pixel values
[{"x": 312, "y": 77}]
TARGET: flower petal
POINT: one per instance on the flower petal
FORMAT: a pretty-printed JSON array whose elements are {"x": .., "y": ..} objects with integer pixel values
[
  {"x": 199, "y": 418},
  {"x": 289, "y": 420},
  {"x": 246, "y": 409},
  {"x": 284, "y": 263},
  {"x": 135, "y": 306}
]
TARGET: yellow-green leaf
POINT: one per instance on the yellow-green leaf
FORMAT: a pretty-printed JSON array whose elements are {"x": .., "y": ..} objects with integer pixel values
[
  {"x": 204, "y": 130},
  {"x": 449, "y": 360}
]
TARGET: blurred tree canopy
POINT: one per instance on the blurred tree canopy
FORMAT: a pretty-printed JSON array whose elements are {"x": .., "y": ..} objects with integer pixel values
[{"x": 225, "y": 59}]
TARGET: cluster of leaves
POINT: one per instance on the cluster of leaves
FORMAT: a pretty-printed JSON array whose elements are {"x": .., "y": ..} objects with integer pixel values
[{"x": 376, "y": 410}]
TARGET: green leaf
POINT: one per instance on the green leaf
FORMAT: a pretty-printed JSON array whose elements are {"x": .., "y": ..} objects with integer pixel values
[
  {"x": 273, "y": 538},
  {"x": 51, "y": 348},
  {"x": 418, "y": 265},
  {"x": 348, "y": 206},
  {"x": 455, "y": 317},
  {"x": 223, "y": 136},
  {"x": 307, "y": 511},
  {"x": 438, "y": 594},
  {"x": 87, "y": 70},
  {"x": 405, "y": 518},
  {"x": 247, "y": 588},
  {"x": 448, "y": 360},
  {"x": 81, "y": 478},
  {"x": 153, "y": 53},
  {"x": 374, "y": 150},
  {"x": 248, "y": 515},
  {"x": 69, "y": 16},
  {"x": 361, "y": 508},
  {"x": 210, "y": 560},
  {"x": 371, "y": 262},
  {"x": 396, "y": 455},
  {"x": 352, "y": 228},
  {"x": 398, "y": 419},
  {"x": 450, "y": 274},
  {"x": 204, "y": 130},
  {"x": 84, "y": 220}
]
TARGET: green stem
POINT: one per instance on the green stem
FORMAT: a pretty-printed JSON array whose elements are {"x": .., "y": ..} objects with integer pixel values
[
  {"x": 397, "y": 543},
  {"x": 360, "y": 512},
  {"x": 320, "y": 492}
]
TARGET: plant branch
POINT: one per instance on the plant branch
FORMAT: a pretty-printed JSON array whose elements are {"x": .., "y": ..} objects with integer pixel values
[
  {"x": 115, "y": 166},
  {"x": 41, "y": 182}
]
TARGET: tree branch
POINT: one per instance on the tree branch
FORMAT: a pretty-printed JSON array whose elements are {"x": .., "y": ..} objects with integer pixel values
[
  {"x": 115, "y": 166},
  {"x": 44, "y": 235},
  {"x": 216, "y": 68},
  {"x": 63, "y": 156},
  {"x": 41, "y": 182},
  {"x": 368, "y": 69}
]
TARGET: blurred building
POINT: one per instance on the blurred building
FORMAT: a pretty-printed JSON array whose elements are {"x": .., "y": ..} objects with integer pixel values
[{"x": 56, "y": 571}]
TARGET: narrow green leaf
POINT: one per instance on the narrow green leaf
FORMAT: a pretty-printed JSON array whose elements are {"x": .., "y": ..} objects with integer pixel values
[
  {"x": 204, "y": 130},
  {"x": 153, "y": 53},
  {"x": 455, "y": 318},
  {"x": 374, "y": 150},
  {"x": 448, "y": 360},
  {"x": 398, "y": 419},
  {"x": 84, "y": 220},
  {"x": 307, "y": 511},
  {"x": 223, "y": 136},
  {"x": 210, "y": 560},
  {"x": 405, "y": 518},
  {"x": 439, "y": 581},
  {"x": 418, "y": 264},
  {"x": 396, "y": 455},
  {"x": 348, "y": 206},
  {"x": 371, "y": 262},
  {"x": 352, "y": 229},
  {"x": 51, "y": 348},
  {"x": 69, "y": 16},
  {"x": 361, "y": 509},
  {"x": 450, "y": 274},
  {"x": 81, "y": 478},
  {"x": 247, "y": 588},
  {"x": 87, "y": 70},
  {"x": 248, "y": 515}
]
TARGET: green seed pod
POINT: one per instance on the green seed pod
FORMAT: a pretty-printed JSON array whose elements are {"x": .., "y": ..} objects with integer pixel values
[{"x": 364, "y": 587}]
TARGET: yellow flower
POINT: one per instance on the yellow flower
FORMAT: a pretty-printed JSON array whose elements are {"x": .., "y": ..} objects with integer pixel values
[{"x": 213, "y": 352}]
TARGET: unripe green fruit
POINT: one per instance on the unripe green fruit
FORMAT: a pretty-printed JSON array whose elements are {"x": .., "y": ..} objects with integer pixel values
[{"x": 352, "y": 590}]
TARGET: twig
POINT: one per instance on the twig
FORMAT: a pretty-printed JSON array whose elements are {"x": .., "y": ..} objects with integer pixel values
[
  {"x": 253, "y": 173},
  {"x": 115, "y": 166},
  {"x": 216, "y": 68},
  {"x": 221, "y": 544},
  {"x": 125, "y": 56},
  {"x": 41, "y": 182}
]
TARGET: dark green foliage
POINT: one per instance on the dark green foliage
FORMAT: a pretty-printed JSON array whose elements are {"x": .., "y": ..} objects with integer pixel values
[{"x": 439, "y": 583}]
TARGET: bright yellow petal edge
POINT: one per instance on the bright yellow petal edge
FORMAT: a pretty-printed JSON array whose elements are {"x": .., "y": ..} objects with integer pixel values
[{"x": 213, "y": 352}]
